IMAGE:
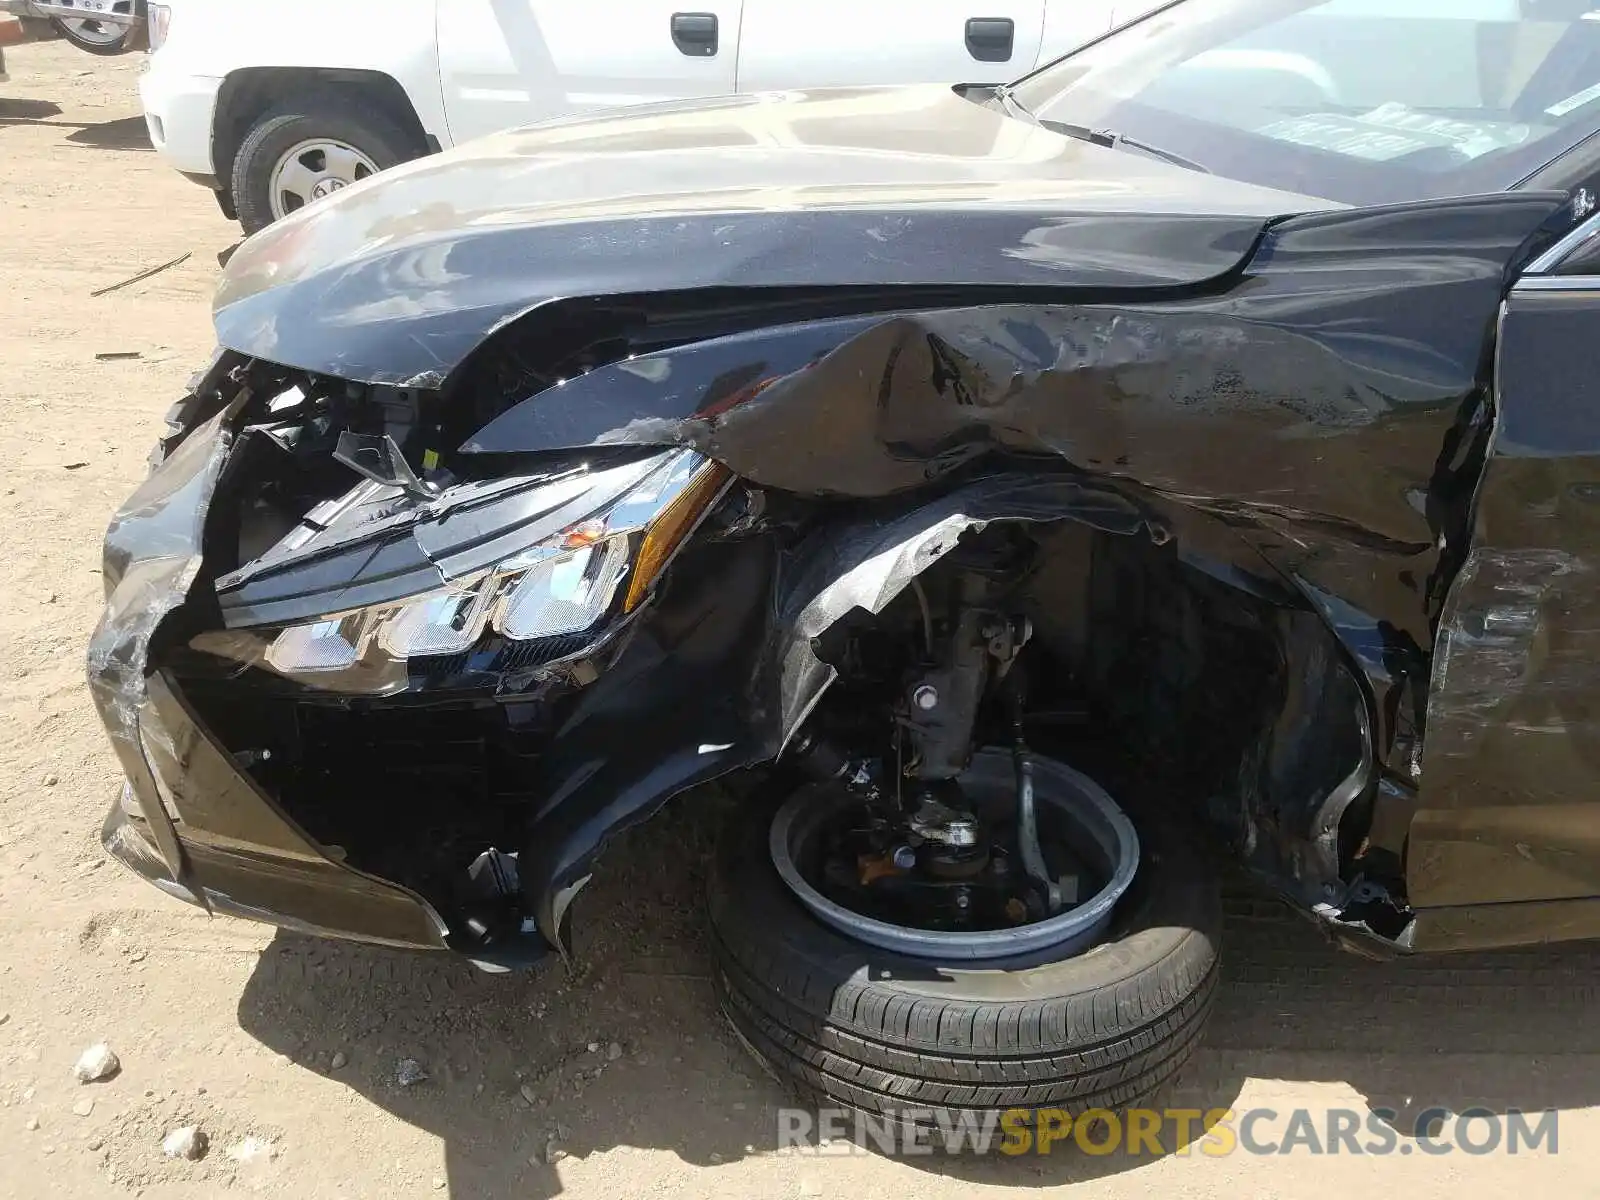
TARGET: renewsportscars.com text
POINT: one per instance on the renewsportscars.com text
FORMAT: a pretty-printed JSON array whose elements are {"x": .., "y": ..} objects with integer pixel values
[{"x": 1152, "y": 1132}]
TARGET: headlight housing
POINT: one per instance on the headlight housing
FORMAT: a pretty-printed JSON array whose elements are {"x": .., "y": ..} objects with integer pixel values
[{"x": 559, "y": 595}]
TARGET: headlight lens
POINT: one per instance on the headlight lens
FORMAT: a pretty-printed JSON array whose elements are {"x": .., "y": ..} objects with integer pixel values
[
  {"x": 564, "y": 586},
  {"x": 322, "y": 646},
  {"x": 436, "y": 624},
  {"x": 566, "y": 593}
]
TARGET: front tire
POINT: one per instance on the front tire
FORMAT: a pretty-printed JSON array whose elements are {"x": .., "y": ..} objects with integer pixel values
[
  {"x": 286, "y": 140},
  {"x": 851, "y": 1026}
]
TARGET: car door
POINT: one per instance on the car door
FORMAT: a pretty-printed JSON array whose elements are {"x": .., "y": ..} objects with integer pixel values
[
  {"x": 504, "y": 63},
  {"x": 838, "y": 43},
  {"x": 1509, "y": 805}
]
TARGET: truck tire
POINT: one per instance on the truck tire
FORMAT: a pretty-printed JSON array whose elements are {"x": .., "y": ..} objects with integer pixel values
[
  {"x": 849, "y": 1026},
  {"x": 259, "y": 166}
]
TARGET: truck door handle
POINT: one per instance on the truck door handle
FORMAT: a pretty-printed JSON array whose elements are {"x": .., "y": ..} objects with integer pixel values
[
  {"x": 989, "y": 39},
  {"x": 695, "y": 33}
]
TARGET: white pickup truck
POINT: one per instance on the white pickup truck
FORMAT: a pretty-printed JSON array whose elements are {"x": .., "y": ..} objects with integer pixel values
[{"x": 274, "y": 103}]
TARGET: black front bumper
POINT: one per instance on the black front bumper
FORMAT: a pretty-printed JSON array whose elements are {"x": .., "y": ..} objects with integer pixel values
[
  {"x": 235, "y": 851},
  {"x": 190, "y": 820}
]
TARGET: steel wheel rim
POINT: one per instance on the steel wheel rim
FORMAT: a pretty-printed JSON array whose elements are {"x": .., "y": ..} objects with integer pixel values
[
  {"x": 100, "y": 35},
  {"x": 1075, "y": 797},
  {"x": 90, "y": 29},
  {"x": 314, "y": 169}
]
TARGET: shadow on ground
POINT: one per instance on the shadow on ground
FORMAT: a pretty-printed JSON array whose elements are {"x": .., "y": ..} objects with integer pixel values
[
  {"x": 26, "y": 112},
  {"x": 129, "y": 133},
  {"x": 126, "y": 133},
  {"x": 508, "y": 1062}
]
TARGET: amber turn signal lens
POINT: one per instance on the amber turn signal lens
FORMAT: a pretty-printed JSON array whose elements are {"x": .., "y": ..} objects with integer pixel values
[{"x": 671, "y": 527}]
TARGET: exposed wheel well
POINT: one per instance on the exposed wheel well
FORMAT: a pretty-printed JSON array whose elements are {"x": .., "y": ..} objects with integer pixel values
[{"x": 246, "y": 95}]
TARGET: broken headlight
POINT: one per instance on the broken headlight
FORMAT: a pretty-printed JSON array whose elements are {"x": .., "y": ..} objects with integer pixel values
[
  {"x": 563, "y": 587},
  {"x": 567, "y": 588}
]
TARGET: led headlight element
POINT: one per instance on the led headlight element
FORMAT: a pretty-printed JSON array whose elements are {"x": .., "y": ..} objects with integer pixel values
[
  {"x": 566, "y": 593},
  {"x": 567, "y": 584},
  {"x": 440, "y": 623},
  {"x": 320, "y": 646}
]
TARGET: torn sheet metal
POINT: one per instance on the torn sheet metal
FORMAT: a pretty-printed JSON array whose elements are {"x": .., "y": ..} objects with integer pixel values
[
  {"x": 152, "y": 556},
  {"x": 865, "y": 562},
  {"x": 686, "y": 694},
  {"x": 1323, "y": 409},
  {"x": 1318, "y": 414}
]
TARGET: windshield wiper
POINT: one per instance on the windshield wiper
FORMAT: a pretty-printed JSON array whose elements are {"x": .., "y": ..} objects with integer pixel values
[{"x": 1109, "y": 138}]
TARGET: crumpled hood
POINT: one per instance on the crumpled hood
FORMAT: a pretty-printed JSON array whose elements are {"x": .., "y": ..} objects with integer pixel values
[{"x": 397, "y": 279}]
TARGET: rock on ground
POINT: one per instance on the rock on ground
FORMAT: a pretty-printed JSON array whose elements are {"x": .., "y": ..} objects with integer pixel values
[
  {"x": 99, "y": 1061},
  {"x": 189, "y": 1142}
]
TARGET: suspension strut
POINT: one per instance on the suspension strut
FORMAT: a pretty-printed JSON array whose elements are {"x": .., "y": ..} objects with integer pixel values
[
  {"x": 1032, "y": 853},
  {"x": 940, "y": 709}
]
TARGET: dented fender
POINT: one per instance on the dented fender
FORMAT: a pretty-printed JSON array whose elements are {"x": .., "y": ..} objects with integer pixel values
[{"x": 1315, "y": 430}]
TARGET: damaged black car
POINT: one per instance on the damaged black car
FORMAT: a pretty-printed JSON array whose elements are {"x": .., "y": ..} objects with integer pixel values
[{"x": 1024, "y": 505}]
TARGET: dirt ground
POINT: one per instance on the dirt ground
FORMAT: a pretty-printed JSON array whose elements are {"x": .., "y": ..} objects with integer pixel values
[{"x": 238, "y": 1029}]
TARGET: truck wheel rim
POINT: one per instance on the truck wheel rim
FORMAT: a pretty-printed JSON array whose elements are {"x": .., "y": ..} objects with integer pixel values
[
  {"x": 1100, "y": 827},
  {"x": 87, "y": 29},
  {"x": 93, "y": 32},
  {"x": 313, "y": 169}
]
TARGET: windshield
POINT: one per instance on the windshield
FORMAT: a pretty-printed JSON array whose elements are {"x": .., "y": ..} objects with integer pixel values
[{"x": 1360, "y": 101}]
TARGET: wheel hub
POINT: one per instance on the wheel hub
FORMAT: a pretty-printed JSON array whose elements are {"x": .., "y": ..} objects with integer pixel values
[
  {"x": 314, "y": 169},
  {"x": 910, "y": 902}
]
